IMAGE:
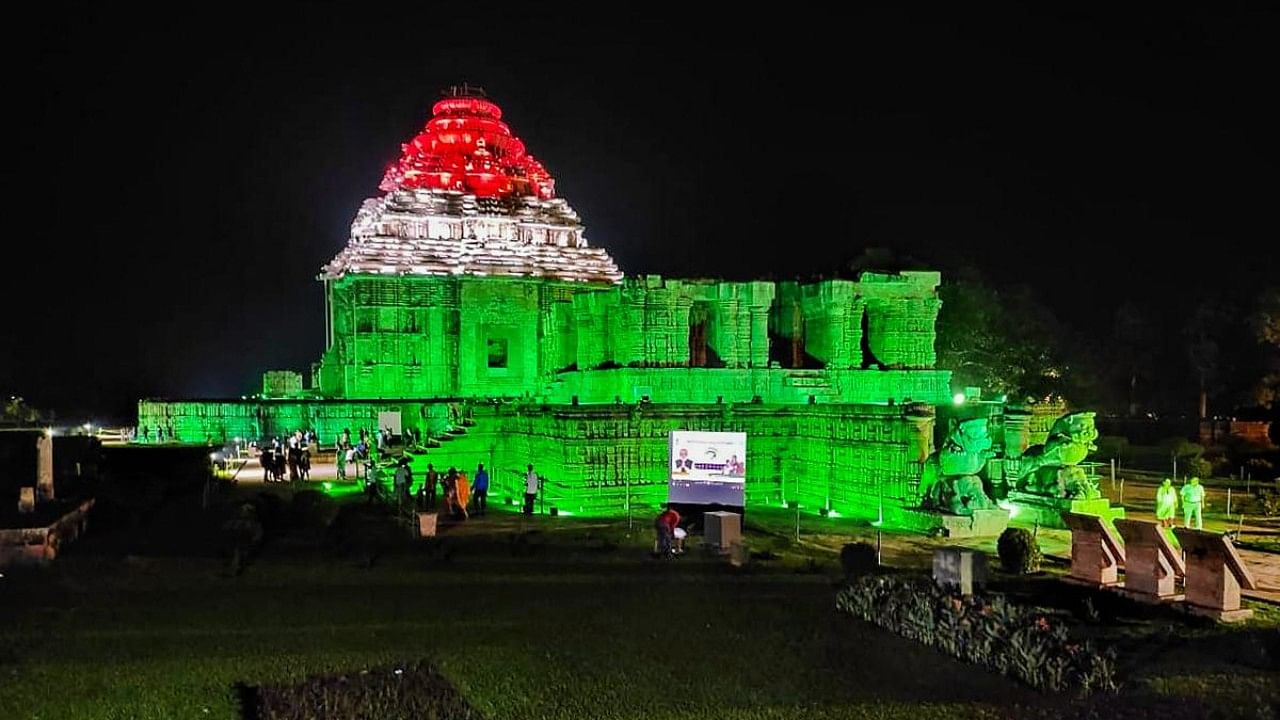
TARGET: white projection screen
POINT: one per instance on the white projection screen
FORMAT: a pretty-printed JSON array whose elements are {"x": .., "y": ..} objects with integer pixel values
[{"x": 707, "y": 468}]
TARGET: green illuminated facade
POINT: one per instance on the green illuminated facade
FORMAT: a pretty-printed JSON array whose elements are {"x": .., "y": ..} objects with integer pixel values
[{"x": 454, "y": 299}]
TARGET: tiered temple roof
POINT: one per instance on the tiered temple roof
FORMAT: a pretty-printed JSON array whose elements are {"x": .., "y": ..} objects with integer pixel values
[{"x": 466, "y": 199}]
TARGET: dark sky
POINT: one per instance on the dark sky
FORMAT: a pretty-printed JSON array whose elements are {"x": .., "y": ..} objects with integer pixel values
[{"x": 175, "y": 180}]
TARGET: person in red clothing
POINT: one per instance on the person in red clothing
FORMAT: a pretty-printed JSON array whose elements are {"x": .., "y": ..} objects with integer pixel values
[{"x": 665, "y": 526}]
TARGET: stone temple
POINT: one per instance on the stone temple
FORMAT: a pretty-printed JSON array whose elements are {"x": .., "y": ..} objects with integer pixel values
[{"x": 468, "y": 288}]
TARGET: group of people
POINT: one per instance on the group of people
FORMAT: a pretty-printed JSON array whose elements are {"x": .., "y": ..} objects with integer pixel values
[
  {"x": 1192, "y": 497},
  {"x": 163, "y": 434},
  {"x": 294, "y": 455},
  {"x": 460, "y": 494}
]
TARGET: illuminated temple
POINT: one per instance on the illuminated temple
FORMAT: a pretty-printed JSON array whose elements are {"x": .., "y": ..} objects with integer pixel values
[{"x": 469, "y": 289}]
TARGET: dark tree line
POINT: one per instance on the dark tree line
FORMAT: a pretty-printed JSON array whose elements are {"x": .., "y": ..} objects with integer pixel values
[{"x": 1209, "y": 355}]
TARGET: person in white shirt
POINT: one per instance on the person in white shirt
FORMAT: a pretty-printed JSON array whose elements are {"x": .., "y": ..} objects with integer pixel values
[{"x": 530, "y": 490}]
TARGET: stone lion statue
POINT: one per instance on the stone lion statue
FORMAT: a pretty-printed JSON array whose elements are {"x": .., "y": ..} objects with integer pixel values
[
  {"x": 1053, "y": 469},
  {"x": 951, "y": 482}
]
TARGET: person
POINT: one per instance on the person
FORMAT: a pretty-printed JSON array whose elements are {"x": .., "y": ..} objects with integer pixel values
[
  {"x": 1166, "y": 503},
  {"x": 268, "y": 461},
  {"x": 733, "y": 468},
  {"x": 427, "y": 494},
  {"x": 340, "y": 457},
  {"x": 1192, "y": 500},
  {"x": 403, "y": 481},
  {"x": 481, "y": 489},
  {"x": 665, "y": 526},
  {"x": 530, "y": 490},
  {"x": 444, "y": 491},
  {"x": 462, "y": 489},
  {"x": 683, "y": 462},
  {"x": 450, "y": 484},
  {"x": 304, "y": 463}
]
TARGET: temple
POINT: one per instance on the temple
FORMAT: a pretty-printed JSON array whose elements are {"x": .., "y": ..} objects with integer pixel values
[{"x": 468, "y": 290}]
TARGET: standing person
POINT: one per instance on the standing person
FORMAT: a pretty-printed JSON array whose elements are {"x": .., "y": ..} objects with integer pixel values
[
  {"x": 268, "y": 461},
  {"x": 429, "y": 487},
  {"x": 304, "y": 463},
  {"x": 1192, "y": 500},
  {"x": 340, "y": 457},
  {"x": 1166, "y": 503},
  {"x": 444, "y": 491},
  {"x": 463, "y": 491},
  {"x": 481, "y": 489},
  {"x": 451, "y": 491},
  {"x": 530, "y": 490},
  {"x": 293, "y": 454},
  {"x": 402, "y": 481}
]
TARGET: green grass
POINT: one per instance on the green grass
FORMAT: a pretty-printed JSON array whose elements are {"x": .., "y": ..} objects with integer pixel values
[{"x": 568, "y": 632}]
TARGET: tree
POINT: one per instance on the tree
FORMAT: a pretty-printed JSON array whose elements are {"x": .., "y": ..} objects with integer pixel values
[
  {"x": 1203, "y": 332},
  {"x": 1134, "y": 345},
  {"x": 18, "y": 412},
  {"x": 1265, "y": 323},
  {"x": 1005, "y": 343}
]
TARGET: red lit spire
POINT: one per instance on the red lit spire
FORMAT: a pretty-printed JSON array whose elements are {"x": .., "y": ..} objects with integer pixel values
[{"x": 466, "y": 147}]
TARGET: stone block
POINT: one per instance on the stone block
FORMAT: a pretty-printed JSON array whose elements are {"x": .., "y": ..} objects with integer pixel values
[
  {"x": 1096, "y": 552},
  {"x": 962, "y": 568},
  {"x": 1215, "y": 575},
  {"x": 1152, "y": 565}
]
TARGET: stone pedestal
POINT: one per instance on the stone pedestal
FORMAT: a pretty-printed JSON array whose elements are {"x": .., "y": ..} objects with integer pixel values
[
  {"x": 1048, "y": 511},
  {"x": 962, "y": 568},
  {"x": 1096, "y": 552},
  {"x": 982, "y": 523},
  {"x": 427, "y": 524},
  {"x": 1151, "y": 565},
  {"x": 1215, "y": 575},
  {"x": 26, "y": 499}
]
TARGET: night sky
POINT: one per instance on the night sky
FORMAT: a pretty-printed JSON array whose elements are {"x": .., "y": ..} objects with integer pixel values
[{"x": 174, "y": 181}]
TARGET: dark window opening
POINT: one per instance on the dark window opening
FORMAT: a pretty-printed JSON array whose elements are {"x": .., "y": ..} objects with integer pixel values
[{"x": 497, "y": 348}]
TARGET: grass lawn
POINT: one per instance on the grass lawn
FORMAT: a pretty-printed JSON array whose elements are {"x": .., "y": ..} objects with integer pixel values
[{"x": 568, "y": 631}]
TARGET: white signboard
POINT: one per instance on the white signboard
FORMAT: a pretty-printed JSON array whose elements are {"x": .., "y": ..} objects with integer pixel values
[
  {"x": 390, "y": 420},
  {"x": 708, "y": 456}
]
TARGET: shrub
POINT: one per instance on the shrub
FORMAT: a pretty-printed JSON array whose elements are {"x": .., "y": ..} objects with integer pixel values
[
  {"x": 410, "y": 690},
  {"x": 1196, "y": 467},
  {"x": 858, "y": 559},
  {"x": 1113, "y": 447},
  {"x": 1181, "y": 448},
  {"x": 985, "y": 630},
  {"x": 1019, "y": 552},
  {"x": 1270, "y": 503}
]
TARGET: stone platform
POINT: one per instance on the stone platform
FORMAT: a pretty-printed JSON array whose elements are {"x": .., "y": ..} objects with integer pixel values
[{"x": 1047, "y": 512}]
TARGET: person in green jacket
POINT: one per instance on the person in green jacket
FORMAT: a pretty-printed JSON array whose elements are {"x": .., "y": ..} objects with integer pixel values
[{"x": 1192, "y": 502}]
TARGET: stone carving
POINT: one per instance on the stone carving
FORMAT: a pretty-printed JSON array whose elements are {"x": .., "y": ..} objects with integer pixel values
[
  {"x": 951, "y": 482},
  {"x": 1053, "y": 469}
]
